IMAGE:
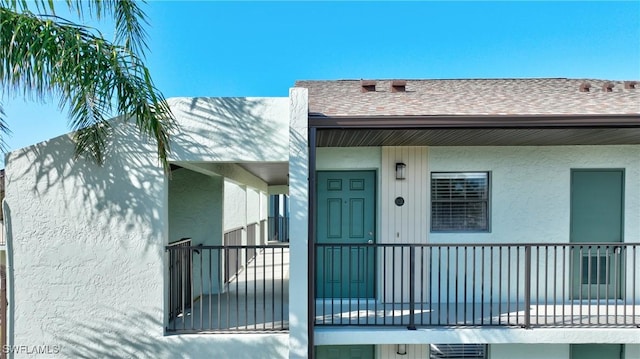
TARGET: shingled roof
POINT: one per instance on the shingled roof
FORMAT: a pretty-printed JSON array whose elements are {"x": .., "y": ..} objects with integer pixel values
[{"x": 544, "y": 96}]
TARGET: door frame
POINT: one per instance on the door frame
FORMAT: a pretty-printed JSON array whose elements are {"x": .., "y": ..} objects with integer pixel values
[
  {"x": 620, "y": 347},
  {"x": 574, "y": 256},
  {"x": 368, "y": 348},
  {"x": 375, "y": 266}
]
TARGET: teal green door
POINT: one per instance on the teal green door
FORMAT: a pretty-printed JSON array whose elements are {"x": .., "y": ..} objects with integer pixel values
[
  {"x": 597, "y": 200},
  {"x": 345, "y": 352},
  {"x": 345, "y": 216},
  {"x": 597, "y": 351}
]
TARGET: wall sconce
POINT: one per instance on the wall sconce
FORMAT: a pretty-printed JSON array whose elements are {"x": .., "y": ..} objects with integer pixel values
[
  {"x": 401, "y": 171},
  {"x": 401, "y": 349}
]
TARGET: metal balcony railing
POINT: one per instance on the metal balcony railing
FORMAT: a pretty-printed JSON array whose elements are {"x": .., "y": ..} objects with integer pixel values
[
  {"x": 525, "y": 285},
  {"x": 234, "y": 288}
]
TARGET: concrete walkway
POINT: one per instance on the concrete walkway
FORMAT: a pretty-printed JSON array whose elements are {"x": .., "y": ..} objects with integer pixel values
[
  {"x": 337, "y": 312},
  {"x": 255, "y": 299}
]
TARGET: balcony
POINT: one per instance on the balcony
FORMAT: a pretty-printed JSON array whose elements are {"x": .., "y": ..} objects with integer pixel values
[
  {"x": 473, "y": 285},
  {"x": 228, "y": 289}
]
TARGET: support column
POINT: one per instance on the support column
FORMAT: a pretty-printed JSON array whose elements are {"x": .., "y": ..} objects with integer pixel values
[{"x": 299, "y": 328}]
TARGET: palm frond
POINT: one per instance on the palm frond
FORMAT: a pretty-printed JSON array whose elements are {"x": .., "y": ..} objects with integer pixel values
[
  {"x": 96, "y": 79},
  {"x": 4, "y": 130},
  {"x": 130, "y": 22}
]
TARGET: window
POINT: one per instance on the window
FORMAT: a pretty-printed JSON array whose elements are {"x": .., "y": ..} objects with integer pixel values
[
  {"x": 595, "y": 270},
  {"x": 460, "y": 202},
  {"x": 458, "y": 351}
]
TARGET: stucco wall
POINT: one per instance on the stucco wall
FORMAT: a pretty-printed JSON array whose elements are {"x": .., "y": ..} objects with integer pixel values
[
  {"x": 195, "y": 211},
  {"x": 530, "y": 189},
  {"x": 195, "y": 207},
  {"x": 347, "y": 158},
  {"x": 231, "y": 129},
  {"x": 299, "y": 191},
  {"x": 253, "y": 205},
  {"x": 87, "y": 243},
  {"x": 235, "y": 208}
]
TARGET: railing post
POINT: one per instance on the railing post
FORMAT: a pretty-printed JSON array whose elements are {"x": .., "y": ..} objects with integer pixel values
[
  {"x": 527, "y": 286},
  {"x": 412, "y": 303}
]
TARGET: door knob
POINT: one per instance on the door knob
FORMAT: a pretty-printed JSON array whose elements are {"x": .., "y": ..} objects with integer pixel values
[{"x": 370, "y": 241}]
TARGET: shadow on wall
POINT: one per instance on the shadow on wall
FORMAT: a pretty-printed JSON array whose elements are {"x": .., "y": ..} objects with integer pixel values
[
  {"x": 127, "y": 335},
  {"x": 298, "y": 169},
  {"x": 232, "y": 128},
  {"x": 128, "y": 189},
  {"x": 125, "y": 191}
]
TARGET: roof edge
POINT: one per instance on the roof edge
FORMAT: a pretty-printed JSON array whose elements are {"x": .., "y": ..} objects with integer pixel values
[{"x": 478, "y": 121}]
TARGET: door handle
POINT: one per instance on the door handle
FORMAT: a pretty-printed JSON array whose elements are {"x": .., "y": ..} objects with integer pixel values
[{"x": 370, "y": 241}]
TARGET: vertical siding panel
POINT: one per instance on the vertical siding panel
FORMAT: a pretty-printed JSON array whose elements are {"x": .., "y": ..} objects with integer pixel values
[
  {"x": 425, "y": 221},
  {"x": 383, "y": 227},
  {"x": 423, "y": 189},
  {"x": 425, "y": 198},
  {"x": 419, "y": 192},
  {"x": 386, "y": 220},
  {"x": 390, "y": 190},
  {"x": 403, "y": 260},
  {"x": 397, "y": 218},
  {"x": 399, "y": 185},
  {"x": 409, "y": 223},
  {"x": 385, "y": 213},
  {"x": 407, "y": 194},
  {"x": 397, "y": 234},
  {"x": 401, "y": 227},
  {"x": 416, "y": 190},
  {"x": 389, "y": 351},
  {"x": 395, "y": 257}
]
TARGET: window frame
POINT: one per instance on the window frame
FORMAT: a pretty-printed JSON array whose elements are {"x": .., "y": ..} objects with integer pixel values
[
  {"x": 487, "y": 201},
  {"x": 457, "y": 349}
]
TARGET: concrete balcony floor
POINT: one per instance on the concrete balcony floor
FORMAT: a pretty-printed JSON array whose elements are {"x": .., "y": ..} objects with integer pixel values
[
  {"x": 363, "y": 312},
  {"x": 256, "y": 299}
]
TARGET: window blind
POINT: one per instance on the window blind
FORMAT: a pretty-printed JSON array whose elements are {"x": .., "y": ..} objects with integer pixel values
[
  {"x": 458, "y": 351},
  {"x": 460, "y": 201}
]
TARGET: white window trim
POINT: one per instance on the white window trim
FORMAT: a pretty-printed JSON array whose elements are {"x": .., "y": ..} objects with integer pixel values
[
  {"x": 457, "y": 175},
  {"x": 458, "y": 351}
]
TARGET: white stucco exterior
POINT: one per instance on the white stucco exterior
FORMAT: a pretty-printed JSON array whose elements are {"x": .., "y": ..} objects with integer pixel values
[
  {"x": 196, "y": 207},
  {"x": 299, "y": 193},
  {"x": 231, "y": 129},
  {"x": 86, "y": 244},
  {"x": 536, "y": 180},
  {"x": 87, "y": 263}
]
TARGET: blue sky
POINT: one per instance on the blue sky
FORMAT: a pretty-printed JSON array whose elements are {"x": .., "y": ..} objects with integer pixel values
[{"x": 205, "y": 48}]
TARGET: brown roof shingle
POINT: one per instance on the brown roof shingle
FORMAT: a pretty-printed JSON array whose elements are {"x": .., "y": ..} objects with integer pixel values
[{"x": 543, "y": 96}]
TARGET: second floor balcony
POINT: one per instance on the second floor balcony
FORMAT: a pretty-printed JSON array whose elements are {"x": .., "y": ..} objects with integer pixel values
[
  {"x": 228, "y": 289},
  {"x": 470, "y": 285}
]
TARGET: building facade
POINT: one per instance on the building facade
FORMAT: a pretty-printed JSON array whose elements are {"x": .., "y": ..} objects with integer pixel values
[{"x": 427, "y": 219}]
